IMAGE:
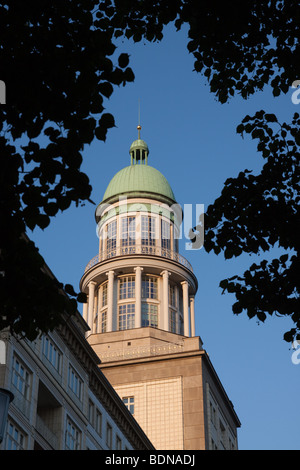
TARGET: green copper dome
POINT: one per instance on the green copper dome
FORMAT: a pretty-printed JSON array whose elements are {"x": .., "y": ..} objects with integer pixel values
[{"x": 139, "y": 180}]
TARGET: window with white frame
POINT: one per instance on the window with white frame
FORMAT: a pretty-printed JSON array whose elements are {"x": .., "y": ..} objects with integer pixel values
[
  {"x": 75, "y": 383},
  {"x": 126, "y": 287},
  {"x": 148, "y": 232},
  {"x": 149, "y": 287},
  {"x": 111, "y": 242},
  {"x": 21, "y": 378},
  {"x": 149, "y": 315},
  {"x": 103, "y": 321},
  {"x": 126, "y": 316},
  {"x": 165, "y": 234},
  {"x": 104, "y": 293},
  {"x": 15, "y": 437},
  {"x": 73, "y": 436},
  {"x": 128, "y": 231},
  {"x": 129, "y": 403}
]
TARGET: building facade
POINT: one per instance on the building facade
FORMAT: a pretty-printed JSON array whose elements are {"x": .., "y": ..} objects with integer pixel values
[
  {"x": 141, "y": 313},
  {"x": 62, "y": 400}
]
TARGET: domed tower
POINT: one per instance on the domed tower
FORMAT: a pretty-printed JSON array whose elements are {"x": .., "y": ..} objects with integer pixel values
[
  {"x": 138, "y": 278},
  {"x": 140, "y": 311}
]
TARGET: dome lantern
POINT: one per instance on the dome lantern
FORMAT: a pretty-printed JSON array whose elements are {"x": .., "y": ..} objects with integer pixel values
[{"x": 139, "y": 150}]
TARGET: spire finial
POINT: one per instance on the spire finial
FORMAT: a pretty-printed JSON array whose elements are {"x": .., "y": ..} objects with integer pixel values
[
  {"x": 139, "y": 131},
  {"x": 139, "y": 127}
]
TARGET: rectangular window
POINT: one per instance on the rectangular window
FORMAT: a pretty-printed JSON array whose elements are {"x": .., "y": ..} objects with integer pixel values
[
  {"x": 52, "y": 353},
  {"x": 75, "y": 383},
  {"x": 21, "y": 378},
  {"x": 181, "y": 324},
  {"x": 126, "y": 316},
  {"x": 98, "y": 424},
  {"x": 149, "y": 315},
  {"x": 129, "y": 403},
  {"x": 103, "y": 325},
  {"x": 172, "y": 320},
  {"x": 118, "y": 443},
  {"x": 108, "y": 435},
  {"x": 149, "y": 287},
  {"x": 128, "y": 231},
  {"x": 15, "y": 438},
  {"x": 148, "y": 234},
  {"x": 73, "y": 436},
  {"x": 165, "y": 235},
  {"x": 111, "y": 238},
  {"x": 213, "y": 413},
  {"x": 172, "y": 295},
  {"x": 91, "y": 415},
  {"x": 104, "y": 294},
  {"x": 127, "y": 287}
]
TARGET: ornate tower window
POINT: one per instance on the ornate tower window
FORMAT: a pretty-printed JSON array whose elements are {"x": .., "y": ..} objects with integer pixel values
[
  {"x": 103, "y": 324},
  {"x": 128, "y": 232},
  {"x": 111, "y": 243},
  {"x": 126, "y": 287},
  {"x": 149, "y": 293},
  {"x": 148, "y": 234},
  {"x": 104, "y": 294},
  {"x": 126, "y": 316},
  {"x": 149, "y": 315},
  {"x": 165, "y": 235},
  {"x": 149, "y": 287},
  {"x": 173, "y": 312},
  {"x": 101, "y": 317}
]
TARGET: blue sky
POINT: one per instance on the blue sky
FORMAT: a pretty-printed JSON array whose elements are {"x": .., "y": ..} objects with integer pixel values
[{"x": 193, "y": 142}]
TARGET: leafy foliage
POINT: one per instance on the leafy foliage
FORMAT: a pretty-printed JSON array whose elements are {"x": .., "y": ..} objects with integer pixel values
[
  {"x": 56, "y": 59},
  {"x": 238, "y": 47},
  {"x": 256, "y": 213}
]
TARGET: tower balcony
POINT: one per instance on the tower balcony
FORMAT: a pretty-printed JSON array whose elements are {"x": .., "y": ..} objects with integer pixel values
[{"x": 138, "y": 250}]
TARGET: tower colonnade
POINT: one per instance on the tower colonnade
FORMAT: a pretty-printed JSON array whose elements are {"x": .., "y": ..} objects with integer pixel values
[{"x": 136, "y": 300}]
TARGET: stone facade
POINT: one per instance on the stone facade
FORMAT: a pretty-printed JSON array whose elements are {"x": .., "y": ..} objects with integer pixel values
[
  {"x": 62, "y": 400},
  {"x": 178, "y": 399}
]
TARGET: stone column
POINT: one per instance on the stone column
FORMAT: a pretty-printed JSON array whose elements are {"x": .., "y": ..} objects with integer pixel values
[
  {"x": 186, "y": 319},
  {"x": 110, "y": 300},
  {"x": 99, "y": 305},
  {"x": 85, "y": 311},
  {"x": 171, "y": 236},
  {"x": 192, "y": 311},
  {"x": 165, "y": 322},
  {"x": 177, "y": 309},
  {"x": 92, "y": 286},
  {"x": 138, "y": 297}
]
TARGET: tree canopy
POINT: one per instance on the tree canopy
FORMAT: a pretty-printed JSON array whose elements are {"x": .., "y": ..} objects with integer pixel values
[{"x": 57, "y": 59}]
